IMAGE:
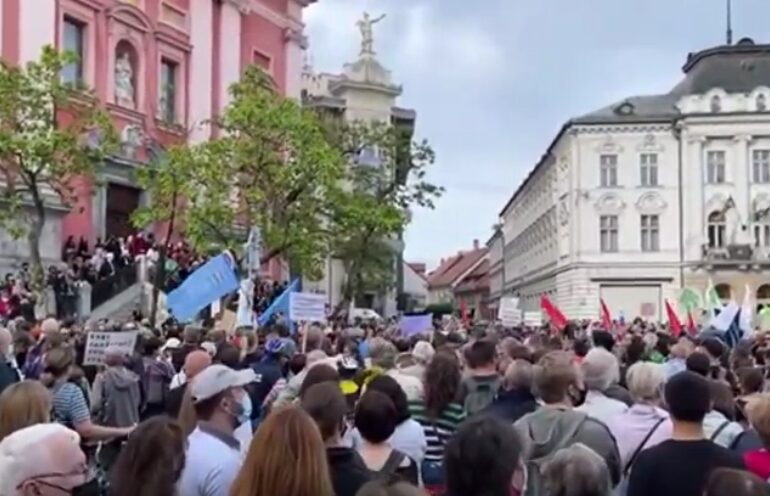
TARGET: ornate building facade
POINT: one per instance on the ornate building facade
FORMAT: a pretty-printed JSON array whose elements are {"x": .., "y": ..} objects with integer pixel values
[
  {"x": 636, "y": 200},
  {"x": 162, "y": 67}
]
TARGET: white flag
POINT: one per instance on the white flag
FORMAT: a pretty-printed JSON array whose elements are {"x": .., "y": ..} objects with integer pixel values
[
  {"x": 746, "y": 314},
  {"x": 722, "y": 321}
]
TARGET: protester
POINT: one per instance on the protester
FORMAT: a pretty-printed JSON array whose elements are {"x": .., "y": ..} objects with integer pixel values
[
  {"x": 382, "y": 354},
  {"x": 286, "y": 457},
  {"x": 151, "y": 462},
  {"x": 9, "y": 372},
  {"x": 439, "y": 415},
  {"x": 729, "y": 482},
  {"x": 269, "y": 370},
  {"x": 375, "y": 420},
  {"x": 194, "y": 364},
  {"x": 480, "y": 385},
  {"x": 393, "y": 487},
  {"x": 422, "y": 353},
  {"x": 681, "y": 465},
  {"x": 718, "y": 426},
  {"x": 326, "y": 404},
  {"x": 515, "y": 399},
  {"x": 317, "y": 374},
  {"x": 600, "y": 371},
  {"x": 557, "y": 424},
  {"x": 677, "y": 359},
  {"x": 484, "y": 459},
  {"x": 22, "y": 405},
  {"x": 646, "y": 423},
  {"x": 44, "y": 460},
  {"x": 213, "y": 456},
  {"x": 156, "y": 378},
  {"x": 408, "y": 436},
  {"x": 35, "y": 363},
  {"x": 758, "y": 460},
  {"x": 576, "y": 471}
]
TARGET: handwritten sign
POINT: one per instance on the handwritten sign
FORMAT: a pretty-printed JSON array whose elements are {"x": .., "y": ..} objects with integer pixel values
[
  {"x": 509, "y": 312},
  {"x": 308, "y": 307},
  {"x": 533, "y": 318},
  {"x": 98, "y": 342}
]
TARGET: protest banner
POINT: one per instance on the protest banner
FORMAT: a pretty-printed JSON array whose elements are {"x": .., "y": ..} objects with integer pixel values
[
  {"x": 98, "y": 342},
  {"x": 411, "y": 325},
  {"x": 533, "y": 318},
  {"x": 509, "y": 312},
  {"x": 307, "y": 307}
]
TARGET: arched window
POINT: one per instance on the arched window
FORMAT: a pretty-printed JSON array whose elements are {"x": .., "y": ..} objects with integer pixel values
[
  {"x": 761, "y": 102},
  {"x": 763, "y": 296},
  {"x": 717, "y": 226},
  {"x": 716, "y": 104},
  {"x": 724, "y": 292}
]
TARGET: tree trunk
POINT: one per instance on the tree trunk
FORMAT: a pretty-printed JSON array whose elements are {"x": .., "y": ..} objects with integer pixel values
[
  {"x": 160, "y": 272},
  {"x": 36, "y": 260}
]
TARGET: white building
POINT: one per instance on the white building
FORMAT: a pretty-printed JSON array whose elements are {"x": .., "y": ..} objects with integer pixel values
[
  {"x": 364, "y": 91},
  {"x": 636, "y": 200}
]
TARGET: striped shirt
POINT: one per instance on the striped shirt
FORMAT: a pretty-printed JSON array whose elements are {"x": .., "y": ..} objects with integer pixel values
[
  {"x": 438, "y": 430},
  {"x": 69, "y": 405}
]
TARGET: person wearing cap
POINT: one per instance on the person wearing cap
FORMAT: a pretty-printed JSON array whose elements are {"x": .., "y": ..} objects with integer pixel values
[
  {"x": 268, "y": 371},
  {"x": 213, "y": 456}
]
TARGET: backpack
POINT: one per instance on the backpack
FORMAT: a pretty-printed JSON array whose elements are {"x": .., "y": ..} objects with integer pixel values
[
  {"x": 535, "y": 486},
  {"x": 155, "y": 381},
  {"x": 479, "y": 394}
]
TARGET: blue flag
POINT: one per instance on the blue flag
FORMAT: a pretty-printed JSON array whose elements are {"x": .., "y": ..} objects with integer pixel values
[
  {"x": 734, "y": 333},
  {"x": 215, "y": 279},
  {"x": 280, "y": 304}
]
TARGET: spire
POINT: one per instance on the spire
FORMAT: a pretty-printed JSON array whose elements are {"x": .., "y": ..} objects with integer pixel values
[{"x": 729, "y": 22}]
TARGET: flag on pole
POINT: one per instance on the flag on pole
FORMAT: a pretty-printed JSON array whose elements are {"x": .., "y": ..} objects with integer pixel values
[
  {"x": 605, "y": 315},
  {"x": 554, "y": 314},
  {"x": 724, "y": 319},
  {"x": 691, "y": 327},
  {"x": 746, "y": 314},
  {"x": 711, "y": 298},
  {"x": 734, "y": 332},
  {"x": 280, "y": 304},
  {"x": 673, "y": 321},
  {"x": 213, "y": 280}
]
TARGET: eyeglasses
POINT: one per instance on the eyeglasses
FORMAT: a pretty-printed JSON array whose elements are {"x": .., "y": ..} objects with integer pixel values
[{"x": 41, "y": 479}]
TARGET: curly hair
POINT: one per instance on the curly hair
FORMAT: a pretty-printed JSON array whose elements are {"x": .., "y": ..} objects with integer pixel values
[{"x": 441, "y": 383}]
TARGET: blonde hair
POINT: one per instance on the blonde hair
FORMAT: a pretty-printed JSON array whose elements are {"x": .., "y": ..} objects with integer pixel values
[
  {"x": 645, "y": 381},
  {"x": 758, "y": 413},
  {"x": 287, "y": 457},
  {"x": 22, "y": 405}
]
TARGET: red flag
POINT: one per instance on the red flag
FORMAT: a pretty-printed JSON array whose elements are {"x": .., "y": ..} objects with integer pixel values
[
  {"x": 606, "y": 318},
  {"x": 673, "y": 321},
  {"x": 691, "y": 327},
  {"x": 463, "y": 313},
  {"x": 554, "y": 314}
]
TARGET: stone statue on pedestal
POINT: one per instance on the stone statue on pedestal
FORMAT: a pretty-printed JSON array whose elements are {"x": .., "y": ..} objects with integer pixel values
[
  {"x": 367, "y": 33},
  {"x": 124, "y": 82}
]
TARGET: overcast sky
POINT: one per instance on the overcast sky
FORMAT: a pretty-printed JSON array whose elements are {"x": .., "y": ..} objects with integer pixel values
[{"x": 493, "y": 80}]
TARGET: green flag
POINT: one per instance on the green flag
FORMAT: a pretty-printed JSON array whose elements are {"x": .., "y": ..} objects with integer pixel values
[
  {"x": 712, "y": 300},
  {"x": 689, "y": 299}
]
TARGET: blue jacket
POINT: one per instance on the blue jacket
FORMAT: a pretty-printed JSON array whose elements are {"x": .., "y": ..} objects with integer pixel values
[{"x": 9, "y": 374}]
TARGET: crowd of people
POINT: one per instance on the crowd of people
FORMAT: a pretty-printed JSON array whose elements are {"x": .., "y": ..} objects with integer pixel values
[{"x": 362, "y": 410}]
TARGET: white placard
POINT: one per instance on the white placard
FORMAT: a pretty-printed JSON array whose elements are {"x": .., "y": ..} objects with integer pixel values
[
  {"x": 533, "y": 318},
  {"x": 509, "y": 313},
  {"x": 307, "y": 307},
  {"x": 98, "y": 342}
]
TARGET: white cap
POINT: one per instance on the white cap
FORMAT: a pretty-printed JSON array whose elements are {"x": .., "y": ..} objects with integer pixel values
[
  {"x": 215, "y": 379},
  {"x": 210, "y": 348},
  {"x": 172, "y": 344}
]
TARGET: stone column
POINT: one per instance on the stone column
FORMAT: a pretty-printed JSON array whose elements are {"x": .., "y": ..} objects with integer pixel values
[{"x": 741, "y": 176}]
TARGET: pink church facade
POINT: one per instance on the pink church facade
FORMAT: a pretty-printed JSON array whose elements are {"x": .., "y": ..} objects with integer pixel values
[{"x": 162, "y": 68}]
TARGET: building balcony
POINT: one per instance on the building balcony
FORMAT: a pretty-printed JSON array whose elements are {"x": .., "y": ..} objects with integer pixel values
[{"x": 740, "y": 256}]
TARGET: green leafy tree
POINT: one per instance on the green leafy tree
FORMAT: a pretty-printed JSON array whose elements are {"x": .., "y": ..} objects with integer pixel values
[
  {"x": 385, "y": 181},
  {"x": 167, "y": 182},
  {"x": 51, "y": 133},
  {"x": 270, "y": 167}
]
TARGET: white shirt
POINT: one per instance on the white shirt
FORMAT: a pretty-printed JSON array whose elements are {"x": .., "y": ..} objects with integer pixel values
[
  {"x": 411, "y": 385},
  {"x": 601, "y": 407},
  {"x": 178, "y": 380},
  {"x": 714, "y": 421},
  {"x": 213, "y": 461}
]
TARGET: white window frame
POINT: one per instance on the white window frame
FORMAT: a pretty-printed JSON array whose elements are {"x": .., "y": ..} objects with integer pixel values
[
  {"x": 716, "y": 167},
  {"x": 650, "y": 233},
  {"x": 608, "y": 170},
  {"x": 760, "y": 166},
  {"x": 609, "y": 227},
  {"x": 648, "y": 169}
]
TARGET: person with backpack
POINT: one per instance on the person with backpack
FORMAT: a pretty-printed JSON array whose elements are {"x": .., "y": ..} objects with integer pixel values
[
  {"x": 557, "y": 424},
  {"x": 482, "y": 382},
  {"x": 156, "y": 375}
]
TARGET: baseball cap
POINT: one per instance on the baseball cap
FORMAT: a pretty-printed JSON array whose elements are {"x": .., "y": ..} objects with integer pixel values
[
  {"x": 172, "y": 344},
  {"x": 215, "y": 379}
]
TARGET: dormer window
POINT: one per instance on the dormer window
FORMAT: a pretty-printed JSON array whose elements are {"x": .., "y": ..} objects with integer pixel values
[
  {"x": 716, "y": 104},
  {"x": 625, "y": 108},
  {"x": 761, "y": 102}
]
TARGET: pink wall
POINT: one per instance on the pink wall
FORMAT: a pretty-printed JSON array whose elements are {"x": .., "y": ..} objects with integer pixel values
[
  {"x": 10, "y": 30},
  {"x": 260, "y": 35}
]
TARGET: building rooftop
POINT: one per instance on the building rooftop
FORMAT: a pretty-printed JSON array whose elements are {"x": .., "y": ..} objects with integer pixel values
[
  {"x": 453, "y": 268},
  {"x": 476, "y": 280}
]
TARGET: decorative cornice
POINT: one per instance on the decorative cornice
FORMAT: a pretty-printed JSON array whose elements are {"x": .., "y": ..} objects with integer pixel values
[
  {"x": 610, "y": 203},
  {"x": 297, "y": 36},
  {"x": 651, "y": 203},
  {"x": 620, "y": 128}
]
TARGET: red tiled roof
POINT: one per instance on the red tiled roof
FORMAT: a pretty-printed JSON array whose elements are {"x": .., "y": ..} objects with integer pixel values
[
  {"x": 448, "y": 272},
  {"x": 418, "y": 268},
  {"x": 477, "y": 280}
]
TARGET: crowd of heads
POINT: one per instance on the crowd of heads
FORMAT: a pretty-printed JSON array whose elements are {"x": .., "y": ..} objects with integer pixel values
[{"x": 363, "y": 410}]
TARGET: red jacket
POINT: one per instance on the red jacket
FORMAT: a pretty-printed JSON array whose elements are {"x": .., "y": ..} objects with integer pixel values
[{"x": 758, "y": 462}]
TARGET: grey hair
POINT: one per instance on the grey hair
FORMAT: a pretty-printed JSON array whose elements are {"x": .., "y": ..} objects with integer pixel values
[
  {"x": 382, "y": 353},
  {"x": 645, "y": 381},
  {"x": 519, "y": 375},
  {"x": 576, "y": 471},
  {"x": 600, "y": 369}
]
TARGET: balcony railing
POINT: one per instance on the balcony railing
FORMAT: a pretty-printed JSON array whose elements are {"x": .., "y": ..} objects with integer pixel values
[{"x": 735, "y": 254}]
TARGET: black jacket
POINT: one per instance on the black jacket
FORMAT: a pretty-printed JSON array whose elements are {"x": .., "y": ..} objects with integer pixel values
[
  {"x": 512, "y": 405},
  {"x": 347, "y": 470},
  {"x": 174, "y": 400},
  {"x": 8, "y": 375}
]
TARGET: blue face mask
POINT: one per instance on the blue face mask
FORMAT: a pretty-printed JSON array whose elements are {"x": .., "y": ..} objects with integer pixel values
[{"x": 246, "y": 409}]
